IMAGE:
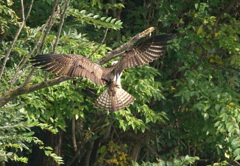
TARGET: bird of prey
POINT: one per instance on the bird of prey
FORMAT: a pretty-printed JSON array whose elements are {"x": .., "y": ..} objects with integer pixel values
[{"x": 114, "y": 97}]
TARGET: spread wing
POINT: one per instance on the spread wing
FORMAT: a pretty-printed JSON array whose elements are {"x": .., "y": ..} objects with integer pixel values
[
  {"x": 145, "y": 52},
  {"x": 70, "y": 65}
]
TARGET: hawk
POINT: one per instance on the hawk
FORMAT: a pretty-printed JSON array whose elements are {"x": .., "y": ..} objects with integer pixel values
[{"x": 114, "y": 97}]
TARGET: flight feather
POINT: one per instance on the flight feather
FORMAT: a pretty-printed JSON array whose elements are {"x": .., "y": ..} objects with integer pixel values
[{"x": 114, "y": 97}]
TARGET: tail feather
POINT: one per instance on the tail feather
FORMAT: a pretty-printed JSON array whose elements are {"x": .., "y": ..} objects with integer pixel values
[{"x": 119, "y": 101}]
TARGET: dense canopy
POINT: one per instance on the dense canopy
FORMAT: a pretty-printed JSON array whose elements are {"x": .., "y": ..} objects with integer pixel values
[{"x": 186, "y": 108}]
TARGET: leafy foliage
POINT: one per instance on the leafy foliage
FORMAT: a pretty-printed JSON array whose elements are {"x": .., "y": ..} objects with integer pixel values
[
  {"x": 184, "y": 161},
  {"x": 83, "y": 17},
  {"x": 16, "y": 134},
  {"x": 187, "y": 102},
  {"x": 114, "y": 154}
]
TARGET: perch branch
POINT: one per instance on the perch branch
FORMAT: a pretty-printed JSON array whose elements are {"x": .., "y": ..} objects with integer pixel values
[
  {"x": 20, "y": 90},
  {"x": 125, "y": 46}
]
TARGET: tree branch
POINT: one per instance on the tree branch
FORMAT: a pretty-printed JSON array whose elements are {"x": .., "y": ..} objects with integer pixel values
[
  {"x": 47, "y": 25},
  {"x": 103, "y": 40},
  {"x": 227, "y": 9},
  {"x": 19, "y": 90},
  {"x": 14, "y": 41},
  {"x": 30, "y": 9},
  {"x": 74, "y": 134},
  {"x": 125, "y": 46},
  {"x": 50, "y": 23},
  {"x": 25, "y": 59},
  {"x": 236, "y": 162},
  {"x": 61, "y": 25}
]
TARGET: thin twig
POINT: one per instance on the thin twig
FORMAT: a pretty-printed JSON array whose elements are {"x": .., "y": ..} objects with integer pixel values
[
  {"x": 116, "y": 133},
  {"x": 17, "y": 76},
  {"x": 26, "y": 58},
  {"x": 51, "y": 22},
  {"x": 230, "y": 69},
  {"x": 29, "y": 77},
  {"x": 61, "y": 25},
  {"x": 227, "y": 9},
  {"x": 103, "y": 40},
  {"x": 236, "y": 162},
  {"x": 52, "y": 19},
  {"x": 30, "y": 9},
  {"x": 14, "y": 41}
]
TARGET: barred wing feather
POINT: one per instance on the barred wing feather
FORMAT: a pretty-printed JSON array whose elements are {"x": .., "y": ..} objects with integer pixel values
[
  {"x": 70, "y": 65},
  {"x": 145, "y": 52}
]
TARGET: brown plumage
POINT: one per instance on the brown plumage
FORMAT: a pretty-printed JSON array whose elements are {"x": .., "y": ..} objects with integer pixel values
[{"x": 114, "y": 97}]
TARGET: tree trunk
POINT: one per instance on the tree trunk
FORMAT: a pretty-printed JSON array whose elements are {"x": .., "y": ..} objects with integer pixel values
[
  {"x": 38, "y": 158},
  {"x": 135, "y": 151}
]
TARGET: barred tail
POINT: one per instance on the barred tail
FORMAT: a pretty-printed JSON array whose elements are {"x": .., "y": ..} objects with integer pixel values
[{"x": 115, "y": 102}]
